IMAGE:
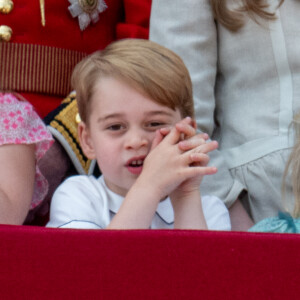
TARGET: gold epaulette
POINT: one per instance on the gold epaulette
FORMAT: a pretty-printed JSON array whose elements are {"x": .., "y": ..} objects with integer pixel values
[{"x": 62, "y": 123}]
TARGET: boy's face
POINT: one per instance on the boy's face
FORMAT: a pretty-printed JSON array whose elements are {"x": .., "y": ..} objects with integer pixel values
[{"x": 121, "y": 130}]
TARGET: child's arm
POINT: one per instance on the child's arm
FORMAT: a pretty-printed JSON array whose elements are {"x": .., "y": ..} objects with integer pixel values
[
  {"x": 17, "y": 175},
  {"x": 186, "y": 199},
  {"x": 165, "y": 168}
]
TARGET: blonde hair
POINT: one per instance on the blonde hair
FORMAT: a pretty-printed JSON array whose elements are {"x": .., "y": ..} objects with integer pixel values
[
  {"x": 293, "y": 168},
  {"x": 234, "y": 19},
  {"x": 150, "y": 68}
]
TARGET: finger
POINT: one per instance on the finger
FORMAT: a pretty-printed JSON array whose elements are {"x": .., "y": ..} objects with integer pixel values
[
  {"x": 199, "y": 171},
  {"x": 173, "y": 137},
  {"x": 165, "y": 130},
  {"x": 194, "y": 159},
  {"x": 205, "y": 170},
  {"x": 186, "y": 129},
  {"x": 199, "y": 156},
  {"x": 199, "y": 159},
  {"x": 187, "y": 120},
  {"x": 206, "y": 148},
  {"x": 193, "y": 142},
  {"x": 157, "y": 139}
]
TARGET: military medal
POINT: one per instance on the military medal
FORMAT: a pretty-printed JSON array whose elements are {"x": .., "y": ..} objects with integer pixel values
[{"x": 87, "y": 11}]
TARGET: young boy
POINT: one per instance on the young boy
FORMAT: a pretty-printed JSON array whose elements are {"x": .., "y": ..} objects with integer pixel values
[{"x": 135, "y": 102}]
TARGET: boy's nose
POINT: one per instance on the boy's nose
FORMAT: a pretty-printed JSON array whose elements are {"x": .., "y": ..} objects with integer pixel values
[{"x": 136, "y": 139}]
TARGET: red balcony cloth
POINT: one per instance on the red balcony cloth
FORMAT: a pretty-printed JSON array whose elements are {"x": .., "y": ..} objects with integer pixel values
[{"x": 44, "y": 263}]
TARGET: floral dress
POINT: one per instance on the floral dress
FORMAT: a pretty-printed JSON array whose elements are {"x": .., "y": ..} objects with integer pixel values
[{"x": 20, "y": 124}]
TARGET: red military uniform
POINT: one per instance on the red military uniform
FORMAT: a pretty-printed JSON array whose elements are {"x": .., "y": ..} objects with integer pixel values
[
  {"x": 40, "y": 43},
  {"x": 36, "y": 60}
]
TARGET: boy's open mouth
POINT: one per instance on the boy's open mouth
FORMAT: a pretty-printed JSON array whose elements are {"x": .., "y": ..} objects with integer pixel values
[{"x": 135, "y": 165}]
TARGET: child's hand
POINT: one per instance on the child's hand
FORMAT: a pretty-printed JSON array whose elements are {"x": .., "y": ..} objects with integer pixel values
[
  {"x": 188, "y": 137},
  {"x": 186, "y": 198},
  {"x": 192, "y": 185},
  {"x": 167, "y": 166},
  {"x": 198, "y": 142}
]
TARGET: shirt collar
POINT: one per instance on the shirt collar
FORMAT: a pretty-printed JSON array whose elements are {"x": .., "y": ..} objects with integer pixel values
[{"x": 164, "y": 209}]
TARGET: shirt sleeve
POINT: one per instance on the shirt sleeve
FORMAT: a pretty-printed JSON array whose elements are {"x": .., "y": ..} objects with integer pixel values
[
  {"x": 188, "y": 28},
  {"x": 72, "y": 205},
  {"x": 216, "y": 214}
]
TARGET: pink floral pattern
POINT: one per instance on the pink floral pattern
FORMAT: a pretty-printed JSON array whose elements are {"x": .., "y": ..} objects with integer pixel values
[{"x": 20, "y": 124}]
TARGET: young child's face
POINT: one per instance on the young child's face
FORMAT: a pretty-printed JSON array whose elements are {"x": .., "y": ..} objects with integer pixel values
[{"x": 121, "y": 130}]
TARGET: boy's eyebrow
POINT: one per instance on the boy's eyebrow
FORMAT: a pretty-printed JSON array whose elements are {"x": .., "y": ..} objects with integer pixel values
[
  {"x": 148, "y": 114},
  {"x": 110, "y": 116},
  {"x": 159, "y": 112}
]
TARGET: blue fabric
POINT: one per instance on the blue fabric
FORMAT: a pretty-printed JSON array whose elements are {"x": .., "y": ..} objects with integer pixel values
[{"x": 283, "y": 223}]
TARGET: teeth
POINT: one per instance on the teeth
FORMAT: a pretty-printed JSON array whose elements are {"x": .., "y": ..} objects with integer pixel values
[{"x": 137, "y": 162}]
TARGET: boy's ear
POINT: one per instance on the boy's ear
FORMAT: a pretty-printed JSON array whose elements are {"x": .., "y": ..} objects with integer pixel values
[{"x": 86, "y": 141}]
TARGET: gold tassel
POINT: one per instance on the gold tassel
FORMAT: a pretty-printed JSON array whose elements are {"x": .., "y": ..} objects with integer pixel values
[{"x": 42, "y": 7}]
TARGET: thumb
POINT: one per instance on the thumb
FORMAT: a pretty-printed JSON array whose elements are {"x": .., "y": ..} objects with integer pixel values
[{"x": 174, "y": 136}]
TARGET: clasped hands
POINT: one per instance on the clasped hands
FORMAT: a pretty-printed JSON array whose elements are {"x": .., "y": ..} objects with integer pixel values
[{"x": 178, "y": 159}]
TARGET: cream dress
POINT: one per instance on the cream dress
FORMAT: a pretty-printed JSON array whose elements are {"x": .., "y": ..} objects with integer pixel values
[{"x": 246, "y": 91}]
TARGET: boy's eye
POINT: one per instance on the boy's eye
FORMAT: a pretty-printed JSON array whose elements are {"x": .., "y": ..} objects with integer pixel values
[
  {"x": 115, "y": 127},
  {"x": 155, "y": 124}
]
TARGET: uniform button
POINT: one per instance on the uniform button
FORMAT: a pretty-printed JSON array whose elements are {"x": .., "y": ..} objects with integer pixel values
[
  {"x": 77, "y": 118},
  {"x": 5, "y": 33},
  {"x": 6, "y": 6}
]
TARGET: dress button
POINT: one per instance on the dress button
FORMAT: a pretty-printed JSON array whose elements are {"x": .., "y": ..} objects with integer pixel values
[
  {"x": 5, "y": 33},
  {"x": 6, "y": 6}
]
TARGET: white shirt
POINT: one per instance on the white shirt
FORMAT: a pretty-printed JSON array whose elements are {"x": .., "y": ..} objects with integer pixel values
[{"x": 86, "y": 202}]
